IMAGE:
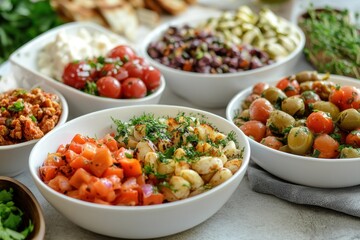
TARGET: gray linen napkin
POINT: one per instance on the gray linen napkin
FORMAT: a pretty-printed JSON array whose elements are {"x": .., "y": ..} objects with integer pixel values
[{"x": 346, "y": 200}]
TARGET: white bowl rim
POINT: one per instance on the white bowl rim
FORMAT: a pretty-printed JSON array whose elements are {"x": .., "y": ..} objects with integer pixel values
[
  {"x": 285, "y": 154},
  {"x": 154, "y": 94},
  {"x": 161, "y": 28},
  {"x": 63, "y": 117},
  {"x": 243, "y": 168}
]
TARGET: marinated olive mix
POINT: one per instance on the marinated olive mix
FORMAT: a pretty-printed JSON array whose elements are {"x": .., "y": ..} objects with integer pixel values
[
  {"x": 194, "y": 50},
  {"x": 304, "y": 114}
]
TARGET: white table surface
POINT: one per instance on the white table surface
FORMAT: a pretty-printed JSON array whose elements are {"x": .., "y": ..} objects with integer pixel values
[{"x": 247, "y": 215}]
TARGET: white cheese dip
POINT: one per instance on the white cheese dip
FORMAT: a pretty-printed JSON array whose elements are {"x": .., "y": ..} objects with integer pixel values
[{"x": 68, "y": 47}]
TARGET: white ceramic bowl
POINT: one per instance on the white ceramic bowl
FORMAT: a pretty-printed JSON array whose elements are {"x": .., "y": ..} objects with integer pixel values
[
  {"x": 14, "y": 158},
  {"x": 309, "y": 171},
  {"x": 138, "y": 221},
  {"x": 216, "y": 90},
  {"x": 24, "y": 64}
]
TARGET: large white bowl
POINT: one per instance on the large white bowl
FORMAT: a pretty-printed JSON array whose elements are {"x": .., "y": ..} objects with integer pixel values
[
  {"x": 138, "y": 221},
  {"x": 14, "y": 158},
  {"x": 24, "y": 64},
  {"x": 309, "y": 171},
  {"x": 216, "y": 90}
]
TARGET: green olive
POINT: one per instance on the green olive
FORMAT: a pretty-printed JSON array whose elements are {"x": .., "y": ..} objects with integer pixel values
[
  {"x": 349, "y": 152},
  {"x": 280, "y": 122},
  {"x": 274, "y": 95},
  {"x": 349, "y": 119},
  {"x": 244, "y": 115},
  {"x": 327, "y": 107},
  {"x": 307, "y": 76},
  {"x": 294, "y": 106},
  {"x": 300, "y": 140}
]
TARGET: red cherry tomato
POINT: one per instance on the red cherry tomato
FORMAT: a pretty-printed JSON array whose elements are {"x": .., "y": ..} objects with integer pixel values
[
  {"x": 110, "y": 69},
  {"x": 346, "y": 97},
  {"x": 76, "y": 74},
  {"x": 109, "y": 87},
  {"x": 141, "y": 61},
  {"x": 133, "y": 88},
  {"x": 151, "y": 78},
  {"x": 134, "y": 69},
  {"x": 123, "y": 52},
  {"x": 258, "y": 88},
  {"x": 320, "y": 122},
  {"x": 290, "y": 87},
  {"x": 310, "y": 97},
  {"x": 353, "y": 138}
]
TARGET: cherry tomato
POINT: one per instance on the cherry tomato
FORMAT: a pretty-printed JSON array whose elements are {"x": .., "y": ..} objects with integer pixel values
[
  {"x": 254, "y": 129},
  {"x": 320, "y": 122},
  {"x": 272, "y": 142},
  {"x": 258, "y": 88},
  {"x": 260, "y": 110},
  {"x": 325, "y": 147},
  {"x": 109, "y": 87},
  {"x": 111, "y": 69},
  {"x": 76, "y": 74},
  {"x": 353, "y": 138},
  {"x": 141, "y": 61},
  {"x": 134, "y": 69},
  {"x": 123, "y": 52},
  {"x": 290, "y": 87},
  {"x": 133, "y": 88},
  {"x": 151, "y": 78},
  {"x": 345, "y": 97},
  {"x": 310, "y": 97}
]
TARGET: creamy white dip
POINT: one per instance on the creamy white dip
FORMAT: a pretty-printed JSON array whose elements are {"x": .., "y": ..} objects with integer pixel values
[{"x": 68, "y": 47}]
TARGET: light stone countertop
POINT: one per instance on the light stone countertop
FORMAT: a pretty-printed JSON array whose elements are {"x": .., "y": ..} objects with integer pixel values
[{"x": 247, "y": 215}]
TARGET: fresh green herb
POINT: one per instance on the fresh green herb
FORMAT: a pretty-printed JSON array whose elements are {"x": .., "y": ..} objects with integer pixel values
[
  {"x": 168, "y": 154},
  {"x": 316, "y": 153},
  {"x": 91, "y": 88},
  {"x": 33, "y": 118},
  {"x": 17, "y": 106},
  {"x": 333, "y": 42},
  {"x": 21, "y": 21},
  {"x": 128, "y": 155},
  {"x": 11, "y": 218}
]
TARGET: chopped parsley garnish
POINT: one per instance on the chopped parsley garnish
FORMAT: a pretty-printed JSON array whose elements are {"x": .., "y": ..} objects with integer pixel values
[
  {"x": 16, "y": 106},
  {"x": 12, "y": 218},
  {"x": 91, "y": 88}
]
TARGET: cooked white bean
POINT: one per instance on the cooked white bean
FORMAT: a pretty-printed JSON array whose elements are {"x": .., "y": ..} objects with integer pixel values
[
  {"x": 233, "y": 165},
  {"x": 179, "y": 187},
  {"x": 207, "y": 165},
  {"x": 220, "y": 176},
  {"x": 192, "y": 177},
  {"x": 167, "y": 167},
  {"x": 151, "y": 159},
  {"x": 139, "y": 131},
  {"x": 142, "y": 148}
]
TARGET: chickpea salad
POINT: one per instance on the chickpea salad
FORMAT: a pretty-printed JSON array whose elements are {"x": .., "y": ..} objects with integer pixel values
[
  {"x": 147, "y": 160},
  {"x": 304, "y": 114}
]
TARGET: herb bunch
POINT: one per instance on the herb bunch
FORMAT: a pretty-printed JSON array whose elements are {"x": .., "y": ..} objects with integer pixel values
[
  {"x": 332, "y": 41},
  {"x": 21, "y": 21}
]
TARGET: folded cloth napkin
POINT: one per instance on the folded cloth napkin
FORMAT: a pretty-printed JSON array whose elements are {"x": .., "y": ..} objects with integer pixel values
[{"x": 346, "y": 200}]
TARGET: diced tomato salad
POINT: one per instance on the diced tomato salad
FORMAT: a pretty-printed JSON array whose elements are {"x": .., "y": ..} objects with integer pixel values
[{"x": 99, "y": 171}]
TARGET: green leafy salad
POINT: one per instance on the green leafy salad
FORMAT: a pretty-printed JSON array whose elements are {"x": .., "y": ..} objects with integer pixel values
[{"x": 11, "y": 218}]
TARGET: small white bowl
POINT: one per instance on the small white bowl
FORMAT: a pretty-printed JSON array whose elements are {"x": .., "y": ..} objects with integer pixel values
[
  {"x": 24, "y": 64},
  {"x": 14, "y": 158},
  {"x": 309, "y": 171},
  {"x": 216, "y": 90},
  {"x": 135, "y": 222}
]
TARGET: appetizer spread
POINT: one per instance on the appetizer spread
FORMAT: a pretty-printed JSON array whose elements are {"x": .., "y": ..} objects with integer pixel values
[
  {"x": 27, "y": 115},
  {"x": 147, "y": 160},
  {"x": 304, "y": 114}
]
